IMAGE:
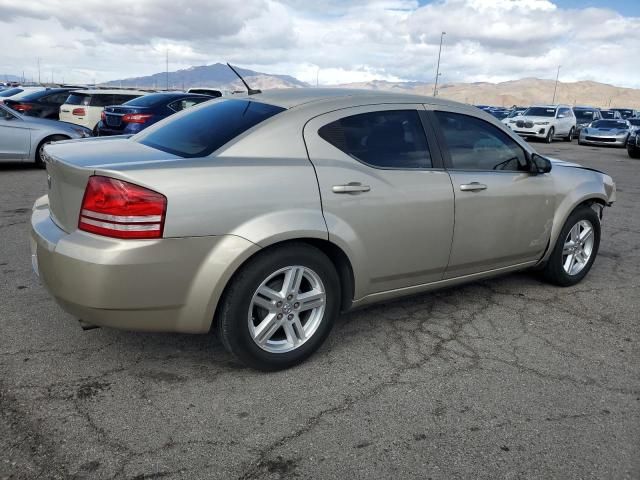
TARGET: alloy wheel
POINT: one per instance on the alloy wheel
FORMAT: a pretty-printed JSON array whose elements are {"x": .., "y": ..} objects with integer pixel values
[
  {"x": 287, "y": 309},
  {"x": 578, "y": 247}
]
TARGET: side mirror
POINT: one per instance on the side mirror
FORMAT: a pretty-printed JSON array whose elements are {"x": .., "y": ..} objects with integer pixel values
[{"x": 540, "y": 164}]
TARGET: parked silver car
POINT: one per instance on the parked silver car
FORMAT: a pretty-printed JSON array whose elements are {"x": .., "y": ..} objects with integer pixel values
[
  {"x": 614, "y": 133},
  {"x": 265, "y": 216},
  {"x": 23, "y": 138}
]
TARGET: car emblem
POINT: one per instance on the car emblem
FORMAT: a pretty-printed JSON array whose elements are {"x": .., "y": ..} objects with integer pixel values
[{"x": 49, "y": 181}]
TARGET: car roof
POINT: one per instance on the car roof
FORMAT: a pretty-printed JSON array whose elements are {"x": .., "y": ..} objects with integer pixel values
[
  {"x": 294, "y": 97},
  {"x": 111, "y": 92}
]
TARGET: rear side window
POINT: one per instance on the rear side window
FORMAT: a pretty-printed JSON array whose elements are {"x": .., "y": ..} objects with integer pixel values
[
  {"x": 205, "y": 129},
  {"x": 385, "y": 139},
  {"x": 474, "y": 144},
  {"x": 185, "y": 103}
]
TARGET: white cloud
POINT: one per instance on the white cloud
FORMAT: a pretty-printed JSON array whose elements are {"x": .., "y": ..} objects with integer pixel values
[{"x": 354, "y": 40}]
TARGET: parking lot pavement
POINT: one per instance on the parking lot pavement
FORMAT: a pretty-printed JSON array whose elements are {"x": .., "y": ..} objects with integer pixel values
[{"x": 507, "y": 378}]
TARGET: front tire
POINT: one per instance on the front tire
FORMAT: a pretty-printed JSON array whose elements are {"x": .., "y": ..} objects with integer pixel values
[
  {"x": 575, "y": 250},
  {"x": 280, "y": 307},
  {"x": 549, "y": 137},
  {"x": 44, "y": 143}
]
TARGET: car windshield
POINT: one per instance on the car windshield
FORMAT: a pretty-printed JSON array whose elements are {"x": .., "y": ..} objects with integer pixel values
[
  {"x": 10, "y": 92},
  {"x": 515, "y": 113},
  {"x": 609, "y": 124},
  {"x": 205, "y": 129},
  {"x": 584, "y": 115},
  {"x": 624, "y": 112},
  {"x": 540, "y": 112},
  {"x": 608, "y": 114}
]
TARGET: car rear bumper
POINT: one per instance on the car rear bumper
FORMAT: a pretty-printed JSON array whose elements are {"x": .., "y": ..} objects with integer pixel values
[{"x": 170, "y": 284}]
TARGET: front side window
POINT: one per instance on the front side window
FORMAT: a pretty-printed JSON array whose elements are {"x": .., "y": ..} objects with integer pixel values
[
  {"x": 474, "y": 144},
  {"x": 202, "y": 131},
  {"x": 564, "y": 113},
  {"x": 385, "y": 139}
]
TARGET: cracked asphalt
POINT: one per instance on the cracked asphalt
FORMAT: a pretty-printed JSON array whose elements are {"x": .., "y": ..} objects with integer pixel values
[{"x": 506, "y": 378}]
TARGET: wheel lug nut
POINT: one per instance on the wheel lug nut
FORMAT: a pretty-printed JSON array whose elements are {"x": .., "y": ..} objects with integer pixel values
[
  {"x": 296, "y": 305},
  {"x": 279, "y": 316},
  {"x": 289, "y": 297},
  {"x": 279, "y": 304},
  {"x": 290, "y": 316}
]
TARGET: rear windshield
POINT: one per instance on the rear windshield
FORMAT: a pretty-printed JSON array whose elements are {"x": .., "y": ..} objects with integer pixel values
[
  {"x": 540, "y": 112},
  {"x": 150, "y": 100},
  {"x": 207, "y": 128},
  {"x": 78, "y": 99},
  {"x": 10, "y": 92},
  {"x": 609, "y": 124}
]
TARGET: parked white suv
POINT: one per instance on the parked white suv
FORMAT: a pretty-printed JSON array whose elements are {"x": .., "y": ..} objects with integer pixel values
[
  {"x": 546, "y": 122},
  {"x": 84, "y": 107}
]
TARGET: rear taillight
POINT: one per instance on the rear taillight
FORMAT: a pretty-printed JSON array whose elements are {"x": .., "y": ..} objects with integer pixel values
[
  {"x": 103, "y": 116},
  {"x": 136, "y": 117},
  {"x": 22, "y": 107},
  {"x": 78, "y": 111},
  {"x": 119, "y": 209}
]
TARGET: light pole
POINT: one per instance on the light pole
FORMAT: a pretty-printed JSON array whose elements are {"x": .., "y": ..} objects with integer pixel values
[
  {"x": 555, "y": 88},
  {"x": 435, "y": 85}
]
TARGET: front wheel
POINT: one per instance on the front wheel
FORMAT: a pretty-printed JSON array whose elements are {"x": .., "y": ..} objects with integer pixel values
[
  {"x": 549, "y": 137},
  {"x": 280, "y": 307},
  {"x": 44, "y": 143},
  {"x": 576, "y": 248}
]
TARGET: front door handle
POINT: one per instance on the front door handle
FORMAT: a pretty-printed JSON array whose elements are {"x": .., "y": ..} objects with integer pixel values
[
  {"x": 473, "y": 187},
  {"x": 352, "y": 188}
]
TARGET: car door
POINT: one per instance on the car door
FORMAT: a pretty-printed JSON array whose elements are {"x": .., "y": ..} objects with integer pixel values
[
  {"x": 386, "y": 199},
  {"x": 15, "y": 136},
  {"x": 503, "y": 213}
]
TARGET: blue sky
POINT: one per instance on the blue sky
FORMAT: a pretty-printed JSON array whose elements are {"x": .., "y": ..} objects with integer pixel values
[{"x": 336, "y": 41}]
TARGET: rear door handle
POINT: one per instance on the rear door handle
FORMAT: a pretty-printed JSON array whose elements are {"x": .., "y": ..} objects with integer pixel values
[
  {"x": 352, "y": 188},
  {"x": 473, "y": 187}
]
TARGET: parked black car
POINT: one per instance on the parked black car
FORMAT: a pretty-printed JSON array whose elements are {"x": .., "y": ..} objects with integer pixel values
[
  {"x": 584, "y": 116},
  {"x": 43, "y": 104},
  {"x": 633, "y": 144},
  {"x": 135, "y": 115},
  {"x": 626, "y": 113}
]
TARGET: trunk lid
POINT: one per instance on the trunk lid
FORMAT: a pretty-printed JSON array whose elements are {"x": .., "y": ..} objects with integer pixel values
[{"x": 71, "y": 163}]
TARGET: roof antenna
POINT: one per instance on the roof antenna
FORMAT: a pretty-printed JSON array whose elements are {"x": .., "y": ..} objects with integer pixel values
[{"x": 250, "y": 91}]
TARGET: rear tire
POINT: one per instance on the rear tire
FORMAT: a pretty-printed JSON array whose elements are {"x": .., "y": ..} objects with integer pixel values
[
  {"x": 575, "y": 249},
  {"x": 633, "y": 153},
  {"x": 278, "y": 330},
  {"x": 549, "y": 137},
  {"x": 569, "y": 137},
  {"x": 42, "y": 144}
]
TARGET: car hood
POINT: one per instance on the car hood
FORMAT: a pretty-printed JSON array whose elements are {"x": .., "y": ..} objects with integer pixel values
[
  {"x": 606, "y": 131},
  {"x": 535, "y": 119}
]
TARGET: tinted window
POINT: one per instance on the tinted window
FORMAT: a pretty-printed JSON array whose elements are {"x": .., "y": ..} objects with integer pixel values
[
  {"x": 388, "y": 139},
  {"x": 204, "y": 130},
  {"x": 585, "y": 115},
  {"x": 77, "y": 99},
  {"x": 540, "y": 112},
  {"x": 5, "y": 114},
  {"x": 186, "y": 103},
  {"x": 477, "y": 145},
  {"x": 150, "y": 100},
  {"x": 10, "y": 92},
  {"x": 634, "y": 121},
  {"x": 56, "y": 98}
]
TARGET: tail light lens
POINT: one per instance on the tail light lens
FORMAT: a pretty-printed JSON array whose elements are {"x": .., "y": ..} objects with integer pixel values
[
  {"x": 119, "y": 209},
  {"x": 136, "y": 117},
  {"x": 22, "y": 107},
  {"x": 78, "y": 111}
]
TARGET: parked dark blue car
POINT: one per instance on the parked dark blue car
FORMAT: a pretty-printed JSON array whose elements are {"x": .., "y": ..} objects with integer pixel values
[{"x": 137, "y": 114}]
